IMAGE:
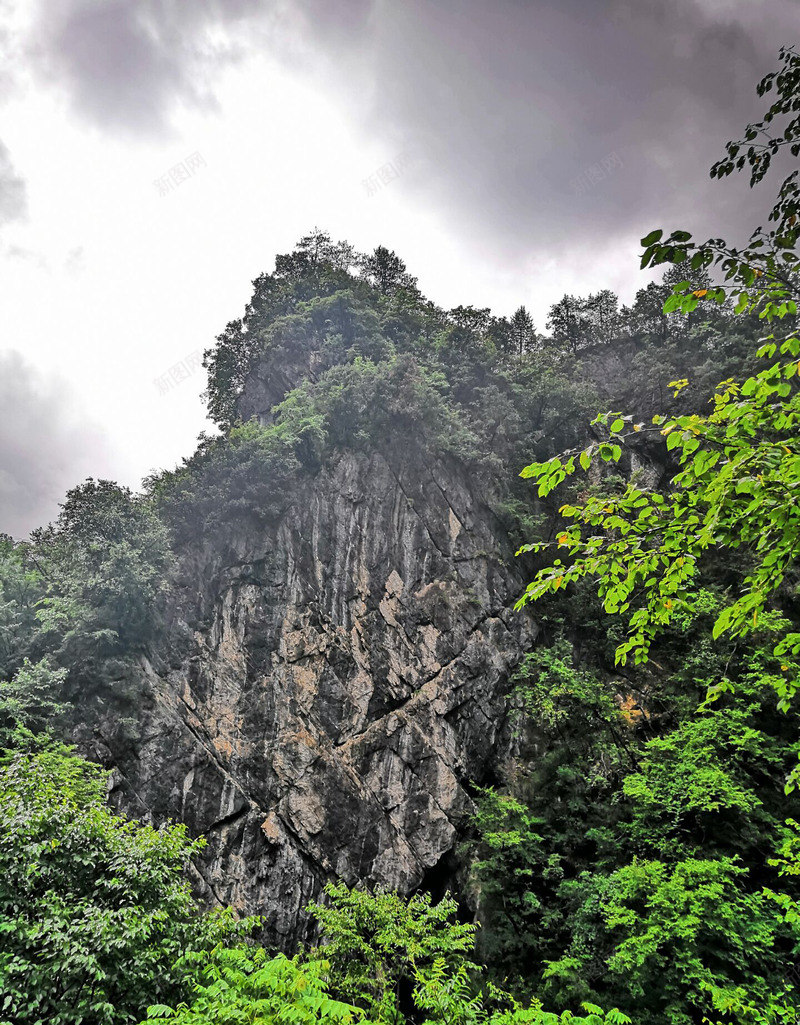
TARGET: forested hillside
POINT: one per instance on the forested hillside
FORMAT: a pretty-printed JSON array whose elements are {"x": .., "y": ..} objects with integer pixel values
[{"x": 452, "y": 680}]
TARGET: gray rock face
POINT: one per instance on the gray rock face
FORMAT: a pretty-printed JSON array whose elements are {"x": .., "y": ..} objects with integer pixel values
[{"x": 341, "y": 683}]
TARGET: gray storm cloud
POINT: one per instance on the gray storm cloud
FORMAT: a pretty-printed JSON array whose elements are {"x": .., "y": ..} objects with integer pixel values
[
  {"x": 13, "y": 195},
  {"x": 545, "y": 126},
  {"x": 46, "y": 446},
  {"x": 125, "y": 64},
  {"x": 555, "y": 126}
]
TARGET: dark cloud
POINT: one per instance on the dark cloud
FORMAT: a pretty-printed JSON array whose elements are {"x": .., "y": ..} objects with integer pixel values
[
  {"x": 553, "y": 125},
  {"x": 546, "y": 127},
  {"x": 13, "y": 194},
  {"x": 10, "y": 56},
  {"x": 46, "y": 446},
  {"x": 125, "y": 64}
]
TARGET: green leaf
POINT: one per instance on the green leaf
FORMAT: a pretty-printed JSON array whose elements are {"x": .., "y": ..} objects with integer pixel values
[{"x": 652, "y": 238}]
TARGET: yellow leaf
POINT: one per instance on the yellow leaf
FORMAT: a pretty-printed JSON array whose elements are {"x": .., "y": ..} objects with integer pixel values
[{"x": 700, "y": 292}]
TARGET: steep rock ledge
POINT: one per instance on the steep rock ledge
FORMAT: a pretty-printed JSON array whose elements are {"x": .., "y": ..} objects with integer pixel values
[{"x": 342, "y": 683}]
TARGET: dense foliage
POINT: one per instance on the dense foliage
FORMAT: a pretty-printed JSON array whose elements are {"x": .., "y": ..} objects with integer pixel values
[
  {"x": 626, "y": 859},
  {"x": 379, "y": 942},
  {"x": 94, "y": 909},
  {"x": 676, "y": 905}
]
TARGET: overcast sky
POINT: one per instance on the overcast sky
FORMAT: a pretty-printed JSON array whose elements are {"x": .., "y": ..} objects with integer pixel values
[{"x": 155, "y": 155}]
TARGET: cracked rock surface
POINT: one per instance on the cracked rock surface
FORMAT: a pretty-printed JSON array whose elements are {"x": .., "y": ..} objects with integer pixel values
[{"x": 340, "y": 680}]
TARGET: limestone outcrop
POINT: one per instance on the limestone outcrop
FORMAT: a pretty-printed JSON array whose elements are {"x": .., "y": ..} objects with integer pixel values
[{"x": 332, "y": 687}]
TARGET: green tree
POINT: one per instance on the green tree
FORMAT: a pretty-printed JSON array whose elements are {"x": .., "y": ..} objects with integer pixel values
[
  {"x": 316, "y": 268},
  {"x": 244, "y": 477},
  {"x": 557, "y": 816},
  {"x": 245, "y": 984},
  {"x": 647, "y": 313},
  {"x": 567, "y": 323},
  {"x": 685, "y": 924},
  {"x": 29, "y": 702},
  {"x": 21, "y": 587},
  {"x": 94, "y": 910},
  {"x": 713, "y": 785},
  {"x": 376, "y": 942},
  {"x": 386, "y": 272},
  {"x": 523, "y": 333},
  {"x": 602, "y": 316},
  {"x": 105, "y": 563},
  {"x": 661, "y": 936}
]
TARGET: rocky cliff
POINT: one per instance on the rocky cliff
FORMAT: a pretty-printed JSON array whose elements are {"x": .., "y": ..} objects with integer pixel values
[{"x": 332, "y": 686}]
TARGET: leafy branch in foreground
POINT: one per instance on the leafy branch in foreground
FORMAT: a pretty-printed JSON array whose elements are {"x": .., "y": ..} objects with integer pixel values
[
  {"x": 762, "y": 275},
  {"x": 242, "y": 984},
  {"x": 738, "y": 486},
  {"x": 738, "y": 483}
]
